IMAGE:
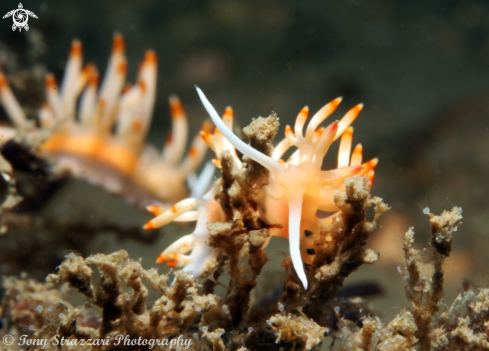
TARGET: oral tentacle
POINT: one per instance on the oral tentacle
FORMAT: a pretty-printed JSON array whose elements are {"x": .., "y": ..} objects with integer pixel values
[
  {"x": 267, "y": 162},
  {"x": 295, "y": 212}
]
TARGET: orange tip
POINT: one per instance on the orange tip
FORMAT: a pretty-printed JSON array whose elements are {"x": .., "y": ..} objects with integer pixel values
[
  {"x": 149, "y": 226},
  {"x": 51, "y": 81},
  {"x": 228, "y": 113},
  {"x": 161, "y": 258},
  {"x": 304, "y": 113},
  {"x": 171, "y": 264},
  {"x": 176, "y": 108},
  {"x": 216, "y": 162},
  {"x": 370, "y": 176},
  {"x": 334, "y": 127},
  {"x": 288, "y": 131},
  {"x": 206, "y": 126},
  {"x": 3, "y": 81},
  {"x": 335, "y": 103},
  {"x": 150, "y": 57},
  {"x": 356, "y": 110},
  {"x": 76, "y": 48},
  {"x": 371, "y": 164},
  {"x": 118, "y": 43},
  {"x": 155, "y": 210},
  {"x": 206, "y": 136}
]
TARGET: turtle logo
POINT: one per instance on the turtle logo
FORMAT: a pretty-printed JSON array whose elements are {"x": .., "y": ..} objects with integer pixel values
[{"x": 20, "y": 17}]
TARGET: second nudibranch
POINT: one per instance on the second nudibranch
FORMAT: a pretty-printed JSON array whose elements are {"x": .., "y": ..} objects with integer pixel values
[
  {"x": 201, "y": 208},
  {"x": 98, "y": 133},
  {"x": 298, "y": 188}
]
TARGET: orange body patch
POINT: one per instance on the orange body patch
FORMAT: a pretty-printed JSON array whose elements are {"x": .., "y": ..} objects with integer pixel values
[{"x": 92, "y": 147}]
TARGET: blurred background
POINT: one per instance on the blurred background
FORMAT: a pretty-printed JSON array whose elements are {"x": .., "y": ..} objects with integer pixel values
[{"x": 420, "y": 68}]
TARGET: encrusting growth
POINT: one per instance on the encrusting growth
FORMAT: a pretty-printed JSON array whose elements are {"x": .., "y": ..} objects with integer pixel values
[{"x": 99, "y": 133}]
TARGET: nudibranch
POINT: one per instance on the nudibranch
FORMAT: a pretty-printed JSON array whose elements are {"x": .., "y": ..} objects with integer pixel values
[
  {"x": 99, "y": 133},
  {"x": 200, "y": 207},
  {"x": 298, "y": 188}
]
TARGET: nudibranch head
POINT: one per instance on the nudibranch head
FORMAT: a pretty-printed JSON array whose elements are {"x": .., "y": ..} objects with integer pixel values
[
  {"x": 92, "y": 129},
  {"x": 299, "y": 183}
]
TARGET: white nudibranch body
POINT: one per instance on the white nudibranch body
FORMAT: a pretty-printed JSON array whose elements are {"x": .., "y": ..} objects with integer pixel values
[
  {"x": 99, "y": 133},
  {"x": 298, "y": 187}
]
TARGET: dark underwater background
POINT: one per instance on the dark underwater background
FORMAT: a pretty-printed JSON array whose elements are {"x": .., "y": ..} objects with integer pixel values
[{"x": 420, "y": 68}]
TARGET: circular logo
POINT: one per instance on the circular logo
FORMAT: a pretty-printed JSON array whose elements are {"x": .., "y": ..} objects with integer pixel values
[
  {"x": 8, "y": 339},
  {"x": 20, "y": 17}
]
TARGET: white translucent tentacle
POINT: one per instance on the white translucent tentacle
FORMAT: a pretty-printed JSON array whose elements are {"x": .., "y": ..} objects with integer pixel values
[
  {"x": 267, "y": 162},
  {"x": 295, "y": 212},
  {"x": 203, "y": 181}
]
